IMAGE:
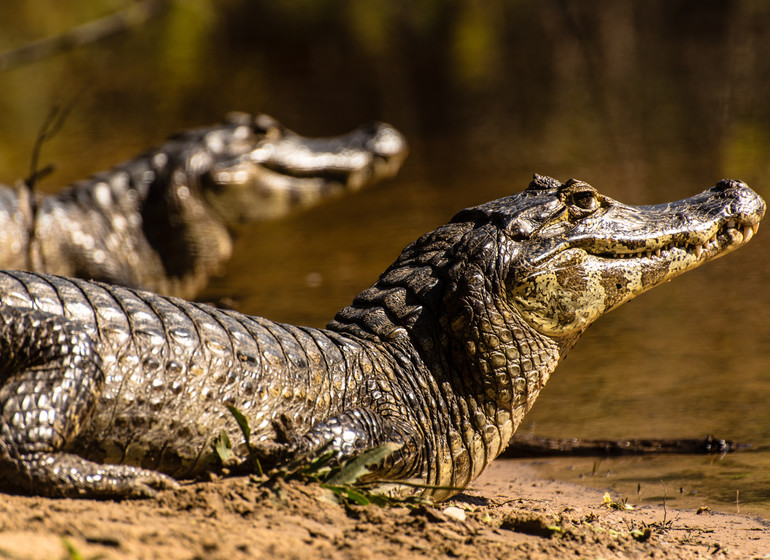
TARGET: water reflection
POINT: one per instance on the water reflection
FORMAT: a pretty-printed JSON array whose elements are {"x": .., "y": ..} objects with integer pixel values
[{"x": 647, "y": 100}]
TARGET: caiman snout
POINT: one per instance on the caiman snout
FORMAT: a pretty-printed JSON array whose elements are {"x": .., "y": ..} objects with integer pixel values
[
  {"x": 747, "y": 207},
  {"x": 389, "y": 148},
  {"x": 384, "y": 141}
]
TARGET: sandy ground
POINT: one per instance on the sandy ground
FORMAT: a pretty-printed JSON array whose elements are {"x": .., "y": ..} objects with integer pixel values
[{"x": 498, "y": 517}]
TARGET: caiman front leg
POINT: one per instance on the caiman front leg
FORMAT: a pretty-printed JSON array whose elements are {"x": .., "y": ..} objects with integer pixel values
[
  {"x": 50, "y": 380},
  {"x": 353, "y": 432}
]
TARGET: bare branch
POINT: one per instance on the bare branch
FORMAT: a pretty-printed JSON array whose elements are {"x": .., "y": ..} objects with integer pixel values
[{"x": 91, "y": 32}]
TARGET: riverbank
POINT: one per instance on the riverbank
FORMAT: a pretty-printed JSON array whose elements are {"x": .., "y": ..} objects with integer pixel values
[{"x": 498, "y": 517}]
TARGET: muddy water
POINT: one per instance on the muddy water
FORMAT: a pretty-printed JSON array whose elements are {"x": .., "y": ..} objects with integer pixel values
[{"x": 648, "y": 101}]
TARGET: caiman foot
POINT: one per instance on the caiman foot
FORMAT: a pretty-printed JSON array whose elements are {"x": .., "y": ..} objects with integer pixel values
[
  {"x": 351, "y": 433},
  {"x": 50, "y": 378},
  {"x": 62, "y": 475}
]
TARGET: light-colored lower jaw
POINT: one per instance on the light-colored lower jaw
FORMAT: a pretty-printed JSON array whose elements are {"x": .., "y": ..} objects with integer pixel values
[{"x": 737, "y": 236}]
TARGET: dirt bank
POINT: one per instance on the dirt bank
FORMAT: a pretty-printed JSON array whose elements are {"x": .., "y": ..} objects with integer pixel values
[{"x": 498, "y": 517}]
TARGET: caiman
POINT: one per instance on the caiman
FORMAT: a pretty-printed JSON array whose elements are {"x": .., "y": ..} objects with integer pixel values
[
  {"x": 111, "y": 392},
  {"x": 165, "y": 220}
]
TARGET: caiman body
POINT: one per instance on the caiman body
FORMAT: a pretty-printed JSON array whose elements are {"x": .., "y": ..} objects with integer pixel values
[
  {"x": 164, "y": 221},
  {"x": 110, "y": 392}
]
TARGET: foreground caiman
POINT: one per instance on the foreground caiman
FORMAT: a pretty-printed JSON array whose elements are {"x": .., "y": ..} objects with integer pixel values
[
  {"x": 164, "y": 221},
  {"x": 104, "y": 388}
]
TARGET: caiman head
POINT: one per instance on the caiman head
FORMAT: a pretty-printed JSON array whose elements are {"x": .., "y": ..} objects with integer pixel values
[
  {"x": 206, "y": 183},
  {"x": 491, "y": 301},
  {"x": 579, "y": 254},
  {"x": 258, "y": 169}
]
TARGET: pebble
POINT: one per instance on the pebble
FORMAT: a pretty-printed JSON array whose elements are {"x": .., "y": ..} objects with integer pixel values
[{"x": 455, "y": 513}]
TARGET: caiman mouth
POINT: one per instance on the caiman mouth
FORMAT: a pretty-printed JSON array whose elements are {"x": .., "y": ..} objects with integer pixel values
[
  {"x": 730, "y": 234},
  {"x": 374, "y": 151}
]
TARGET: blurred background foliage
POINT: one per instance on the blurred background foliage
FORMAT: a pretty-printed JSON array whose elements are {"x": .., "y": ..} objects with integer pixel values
[{"x": 555, "y": 84}]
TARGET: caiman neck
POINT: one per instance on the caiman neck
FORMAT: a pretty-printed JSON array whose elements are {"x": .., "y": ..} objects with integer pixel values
[
  {"x": 483, "y": 363},
  {"x": 465, "y": 334},
  {"x": 191, "y": 241},
  {"x": 503, "y": 359}
]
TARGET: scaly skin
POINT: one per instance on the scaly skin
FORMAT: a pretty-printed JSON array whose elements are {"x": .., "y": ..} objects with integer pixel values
[
  {"x": 164, "y": 221},
  {"x": 110, "y": 392}
]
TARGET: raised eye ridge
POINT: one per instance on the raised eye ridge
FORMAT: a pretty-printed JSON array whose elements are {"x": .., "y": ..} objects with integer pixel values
[{"x": 585, "y": 200}]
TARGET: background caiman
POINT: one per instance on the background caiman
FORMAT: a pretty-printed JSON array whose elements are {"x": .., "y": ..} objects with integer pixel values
[
  {"x": 164, "y": 221},
  {"x": 104, "y": 388}
]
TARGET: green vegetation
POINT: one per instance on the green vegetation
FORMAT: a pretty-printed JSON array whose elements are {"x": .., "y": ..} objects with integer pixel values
[
  {"x": 621, "y": 505},
  {"x": 347, "y": 483},
  {"x": 74, "y": 554}
]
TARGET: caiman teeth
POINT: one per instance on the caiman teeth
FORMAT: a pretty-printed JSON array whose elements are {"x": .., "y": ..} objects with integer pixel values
[
  {"x": 748, "y": 230},
  {"x": 748, "y": 233}
]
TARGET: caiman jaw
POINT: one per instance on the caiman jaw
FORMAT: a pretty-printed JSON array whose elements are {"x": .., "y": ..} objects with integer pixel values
[
  {"x": 374, "y": 151},
  {"x": 725, "y": 237}
]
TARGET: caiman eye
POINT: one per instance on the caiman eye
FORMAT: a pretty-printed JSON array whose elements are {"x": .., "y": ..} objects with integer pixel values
[{"x": 585, "y": 200}]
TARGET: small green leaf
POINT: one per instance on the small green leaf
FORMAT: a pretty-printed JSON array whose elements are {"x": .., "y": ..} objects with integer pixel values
[
  {"x": 352, "y": 471},
  {"x": 641, "y": 535},
  {"x": 380, "y": 500},
  {"x": 224, "y": 448},
  {"x": 607, "y": 501},
  {"x": 349, "y": 493},
  {"x": 72, "y": 552},
  {"x": 243, "y": 424},
  {"x": 356, "y": 496},
  {"x": 318, "y": 467}
]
